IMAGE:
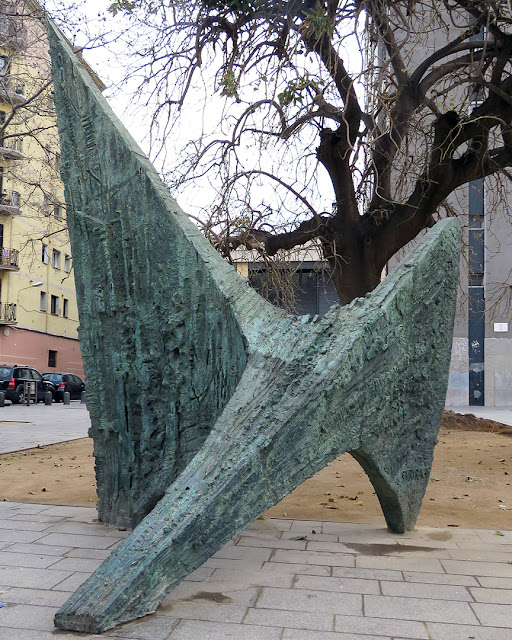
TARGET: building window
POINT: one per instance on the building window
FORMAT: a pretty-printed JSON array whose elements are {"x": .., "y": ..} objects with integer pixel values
[
  {"x": 65, "y": 307},
  {"x": 308, "y": 290},
  {"x": 52, "y": 358},
  {"x": 57, "y": 161},
  {"x": 15, "y": 199},
  {"x": 56, "y": 259},
  {"x": 54, "y": 305},
  {"x": 67, "y": 263},
  {"x": 4, "y": 65},
  {"x": 48, "y": 154},
  {"x": 44, "y": 254},
  {"x": 42, "y": 301},
  {"x": 5, "y": 24},
  {"x": 57, "y": 211},
  {"x": 46, "y": 205}
]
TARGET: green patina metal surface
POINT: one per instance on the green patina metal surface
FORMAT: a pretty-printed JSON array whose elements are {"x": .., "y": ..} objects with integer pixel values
[{"x": 207, "y": 401}]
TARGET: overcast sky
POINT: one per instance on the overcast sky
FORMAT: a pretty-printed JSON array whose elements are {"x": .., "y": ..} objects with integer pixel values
[{"x": 96, "y": 22}]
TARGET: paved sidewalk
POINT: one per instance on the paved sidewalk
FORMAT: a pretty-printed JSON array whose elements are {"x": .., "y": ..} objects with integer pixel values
[
  {"x": 23, "y": 427},
  {"x": 338, "y": 581}
]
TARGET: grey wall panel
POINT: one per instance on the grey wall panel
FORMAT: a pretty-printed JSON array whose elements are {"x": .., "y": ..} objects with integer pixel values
[{"x": 502, "y": 389}]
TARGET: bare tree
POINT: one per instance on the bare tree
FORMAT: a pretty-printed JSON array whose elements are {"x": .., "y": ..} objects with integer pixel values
[{"x": 360, "y": 154}]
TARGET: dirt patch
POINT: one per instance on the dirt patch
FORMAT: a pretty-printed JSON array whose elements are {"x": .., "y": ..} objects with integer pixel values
[
  {"x": 469, "y": 487},
  {"x": 57, "y": 474},
  {"x": 469, "y": 422},
  {"x": 470, "y": 484}
]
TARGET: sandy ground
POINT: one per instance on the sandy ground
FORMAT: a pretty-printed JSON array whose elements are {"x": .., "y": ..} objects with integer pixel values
[{"x": 470, "y": 485}]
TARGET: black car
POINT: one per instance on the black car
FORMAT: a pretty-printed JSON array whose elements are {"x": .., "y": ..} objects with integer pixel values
[
  {"x": 12, "y": 379},
  {"x": 63, "y": 382}
]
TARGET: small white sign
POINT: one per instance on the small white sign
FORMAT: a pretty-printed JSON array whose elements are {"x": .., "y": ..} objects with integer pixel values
[{"x": 501, "y": 327}]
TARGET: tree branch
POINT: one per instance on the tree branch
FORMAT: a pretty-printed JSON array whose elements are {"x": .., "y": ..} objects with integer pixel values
[
  {"x": 305, "y": 232},
  {"x": 342, "y": 79}
]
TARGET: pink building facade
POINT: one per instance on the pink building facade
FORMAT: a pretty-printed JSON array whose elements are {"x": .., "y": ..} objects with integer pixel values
[{"x": 43, "y": 351}]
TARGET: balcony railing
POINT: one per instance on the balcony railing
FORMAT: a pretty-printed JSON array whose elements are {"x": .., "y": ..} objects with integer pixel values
[
  {"x": 10, "y": 203},
  {"x": 7, "y": 313},
  {"x": 11, "y": 148},
  {"x": 9, "y": 258},
  {"x": 12, "y": 91},
  {"x": 12, "y": 35}
]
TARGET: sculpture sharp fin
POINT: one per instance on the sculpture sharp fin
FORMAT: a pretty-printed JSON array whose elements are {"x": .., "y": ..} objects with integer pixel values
[{"x": 170, "y": 318}]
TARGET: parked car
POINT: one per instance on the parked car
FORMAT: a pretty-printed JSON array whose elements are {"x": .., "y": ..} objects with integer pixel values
[
  {"x": 12, "y": 379},
  {"x": 63, "y": 382}
]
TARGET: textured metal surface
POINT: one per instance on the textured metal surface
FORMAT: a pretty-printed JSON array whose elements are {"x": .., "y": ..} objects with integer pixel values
[{"x": 188, "y": 359}]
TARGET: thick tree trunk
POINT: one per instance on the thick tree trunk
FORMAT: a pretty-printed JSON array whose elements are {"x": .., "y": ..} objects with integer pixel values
[
  {"x": 353, "y": 278},
  {"x": 356, "y": 260}
]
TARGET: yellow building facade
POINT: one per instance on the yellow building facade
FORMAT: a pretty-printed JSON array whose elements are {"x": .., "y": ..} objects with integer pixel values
[{"x": 38, "y": 311}]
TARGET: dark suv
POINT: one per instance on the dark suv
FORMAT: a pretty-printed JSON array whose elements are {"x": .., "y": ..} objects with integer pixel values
[
  {"x": 65, "y": 382},
  {"x": 12, "y": 379}
]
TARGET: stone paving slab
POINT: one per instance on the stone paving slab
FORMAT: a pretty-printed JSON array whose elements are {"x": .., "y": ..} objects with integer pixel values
[
  {"x": 426, "y": 591},
  {"x": 381, "y": 626},
  {"x": 344, "y": 581},
  {"x": 462, "y": 632},
  {"x": 425, "y": 609},
  {"x": 439, "y": 578},
  {"x": 498, "y": 596},
  {"x": 315, "y": 635}
]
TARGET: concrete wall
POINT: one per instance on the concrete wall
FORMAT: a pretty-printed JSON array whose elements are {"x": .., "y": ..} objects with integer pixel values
[{"x": 458, "y": 384}]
